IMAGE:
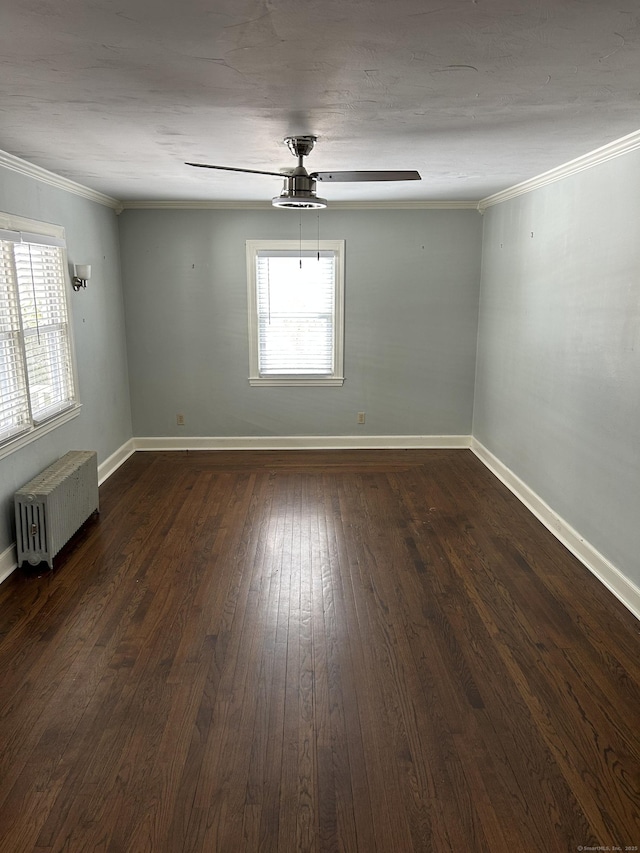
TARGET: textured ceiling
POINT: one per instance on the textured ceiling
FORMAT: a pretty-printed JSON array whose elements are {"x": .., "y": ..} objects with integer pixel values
[{"x": 478, "y": 95}]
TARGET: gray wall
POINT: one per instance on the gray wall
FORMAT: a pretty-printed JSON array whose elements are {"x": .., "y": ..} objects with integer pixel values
[
  {"x": 104, "y": 423},
  {"x": 558, "y": 371},
  {"x": 412, "y": 280}
]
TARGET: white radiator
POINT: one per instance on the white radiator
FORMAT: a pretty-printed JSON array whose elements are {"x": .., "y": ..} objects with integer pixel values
[{"x": 56, "y": 503}]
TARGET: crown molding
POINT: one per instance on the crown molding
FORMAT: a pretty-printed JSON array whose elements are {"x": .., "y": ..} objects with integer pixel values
[
  {"x": 266, "y": 205},
  {"x": 617, "y": 148},
  {"x": 405, "y": 205},
  {"x": 17, "y": 164},
  {"x": 164, "y": 204}
]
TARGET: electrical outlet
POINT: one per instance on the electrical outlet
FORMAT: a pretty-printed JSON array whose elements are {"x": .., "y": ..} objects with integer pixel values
[
  {"x": 180, "y": 420},
  {"x": 361, "y": 417}
]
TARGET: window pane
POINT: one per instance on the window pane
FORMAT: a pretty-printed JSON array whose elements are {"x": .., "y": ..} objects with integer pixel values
[
  {"x": 295, "y": 305},
  {"x": 50, "y": 373},
  {"x": 14, "y": 404},
  {"x": 41, "y": 288}
]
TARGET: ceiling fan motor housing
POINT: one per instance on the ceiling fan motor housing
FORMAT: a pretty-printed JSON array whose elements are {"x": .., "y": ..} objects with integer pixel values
[{"x": 299, "y": 191}]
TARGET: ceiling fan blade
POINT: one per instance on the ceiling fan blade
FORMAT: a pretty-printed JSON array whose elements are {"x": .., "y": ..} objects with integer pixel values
[
  {"x": 366, "y": 176},
  {"x": 234, "y": 169}
]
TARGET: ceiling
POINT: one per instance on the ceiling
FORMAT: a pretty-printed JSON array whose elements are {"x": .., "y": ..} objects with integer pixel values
[{"x": 477, "y": 95}]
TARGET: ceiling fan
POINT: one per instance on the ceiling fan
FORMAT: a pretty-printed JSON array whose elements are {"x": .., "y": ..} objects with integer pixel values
[{"x": 299, "y": 189}]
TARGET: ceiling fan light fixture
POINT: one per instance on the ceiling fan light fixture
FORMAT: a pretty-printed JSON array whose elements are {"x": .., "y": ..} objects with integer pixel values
[
  {"x": 310, "y": 202},
  {"x": 299, "y": 193}
]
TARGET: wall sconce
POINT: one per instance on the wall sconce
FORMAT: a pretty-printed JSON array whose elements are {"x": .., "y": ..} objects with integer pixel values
[{"x": 82, "y": 274}]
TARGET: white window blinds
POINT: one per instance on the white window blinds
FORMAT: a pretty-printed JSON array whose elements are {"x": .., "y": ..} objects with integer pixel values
[
  {"x": 295, "y": 322},
  {"x": 295, "y": 296},
  {"x": 14, "y": 401},
  {"x": 36, "y": 367}
]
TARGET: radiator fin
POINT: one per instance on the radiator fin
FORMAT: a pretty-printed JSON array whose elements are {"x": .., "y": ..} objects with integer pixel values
[{"x": 54, "y": 505}]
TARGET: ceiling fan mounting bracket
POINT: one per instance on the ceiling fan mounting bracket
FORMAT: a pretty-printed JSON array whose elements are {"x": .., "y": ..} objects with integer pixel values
[{"x": 300, "y": 146}]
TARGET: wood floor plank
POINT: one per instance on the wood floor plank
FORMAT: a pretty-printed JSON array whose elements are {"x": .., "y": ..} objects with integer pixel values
[
  {"x": 322, "y": 651},
  {"x": 389, "y": 827},
  {"x": 354, "y": 794}
]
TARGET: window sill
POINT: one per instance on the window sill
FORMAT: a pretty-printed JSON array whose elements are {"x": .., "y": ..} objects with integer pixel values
[
  {"x": 273, "y": 381},
  {"x": 25, "y": 438}
]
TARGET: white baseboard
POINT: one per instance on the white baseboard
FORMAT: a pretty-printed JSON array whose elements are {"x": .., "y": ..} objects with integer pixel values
[
  {"x": 113, "y": 462},
  {"x": 304, "y": 442},
  {"x": 8, "y": 562},
  {"x": 616, "y": 582}
]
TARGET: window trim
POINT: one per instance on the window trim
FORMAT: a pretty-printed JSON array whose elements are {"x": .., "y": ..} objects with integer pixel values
[
  {"x": 34, "y": 431},
  {"x": 336, "y": 379}
]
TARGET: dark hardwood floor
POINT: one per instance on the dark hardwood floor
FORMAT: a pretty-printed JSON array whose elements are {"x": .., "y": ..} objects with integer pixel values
[{"x": 316, "y": 651}]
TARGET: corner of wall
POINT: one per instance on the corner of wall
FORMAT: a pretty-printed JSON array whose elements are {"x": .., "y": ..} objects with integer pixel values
[{"x": 617, "y": 583}]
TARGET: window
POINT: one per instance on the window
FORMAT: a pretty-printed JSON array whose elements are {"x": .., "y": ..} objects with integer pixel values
[
  {"x": 296, "y": 309},
  {"x": 37, "y": 381}
]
